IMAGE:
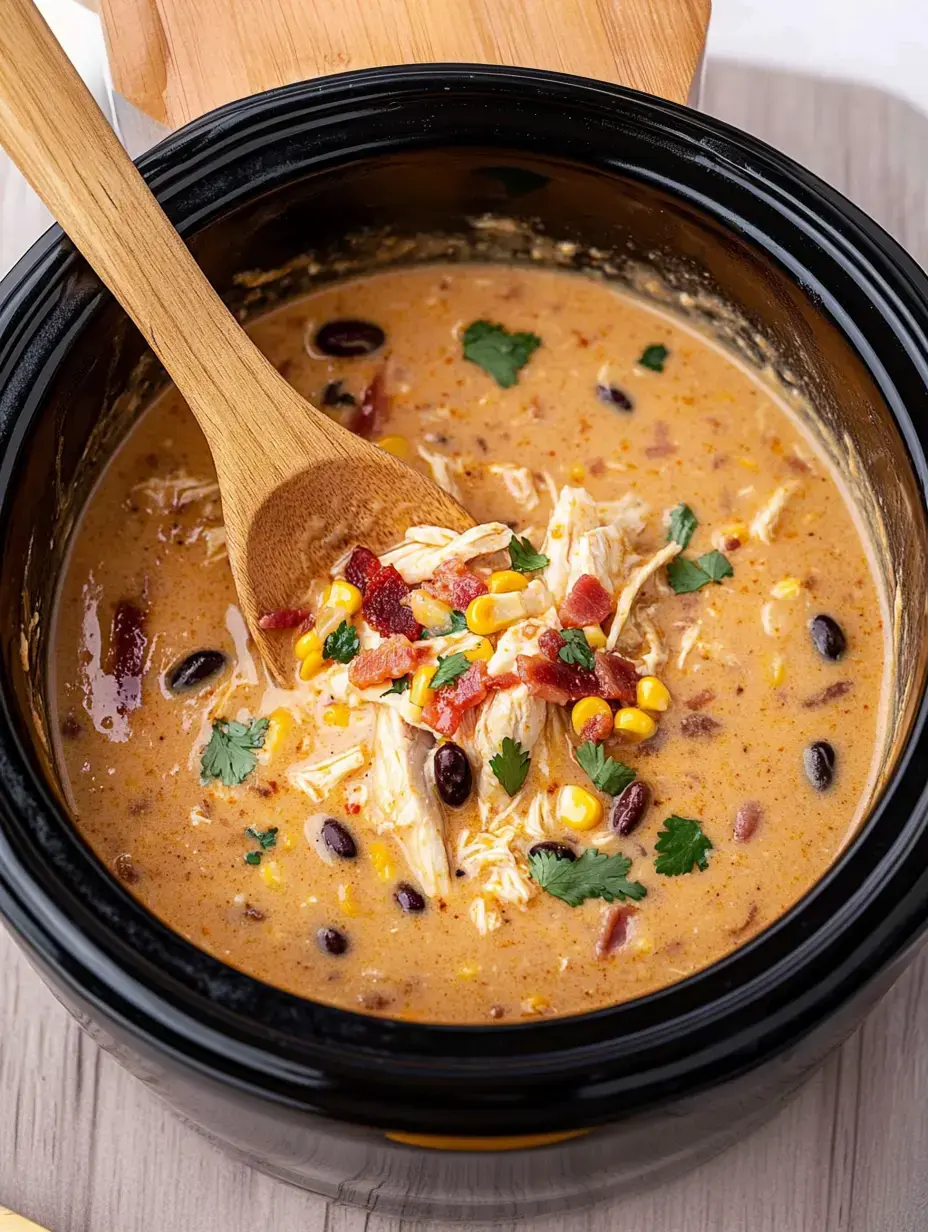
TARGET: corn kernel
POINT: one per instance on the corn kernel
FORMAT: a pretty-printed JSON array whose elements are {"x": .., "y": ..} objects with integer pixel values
[
  {"x": 347, "y": 900},
  {"x": 307, "y": 643},
  {"x": 787, "y": 588},
  {"x": 468, "y": 970},
  {"x": 506, "y": 581},
  {"x": 420, "y": 691},
  {"x": 397, "y": 445},
  {"x": 533, "y": 1005},
  {"x": 653, "y": 694},
  {"x": 430, "y": 612},
  {"x": 749, "y": 464},
  {"x": 588, "y": 708},
  {"x": 380, "y": 858},
  {"x": 311, "y": 665},
  {"x": 493, "y": 613},
  {"x": 285, "y": 842},
  {"x": 344, "y": 596},
  {"x": 577, "y": 473},
  {"x": 578, "y": 808},
  {"x": 595, "y": 637},
  {"x": 328, "y": 618},
  {"x": 280, "y": 724},
  {"x": 634, "y": 723},
  {"x": 483, "y": 650},
  {"x": 776, "y": 671},
  {"x": 270, "y": 874},
  {"x": 338, "y": 715}
]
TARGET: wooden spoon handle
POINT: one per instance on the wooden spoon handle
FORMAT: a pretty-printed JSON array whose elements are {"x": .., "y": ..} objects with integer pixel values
[{"x": 56, "y": 134}]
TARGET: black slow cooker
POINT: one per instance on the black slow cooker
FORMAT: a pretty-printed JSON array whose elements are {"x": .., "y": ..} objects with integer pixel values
[{"x": 478, "y": 1121}]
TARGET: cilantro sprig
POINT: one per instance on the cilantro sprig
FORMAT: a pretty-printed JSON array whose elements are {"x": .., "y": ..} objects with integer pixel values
[
  {"x": 685, "y": 576},
  {"x": 683, "y": 847},
  {"x": 682, "y": 524},
  {"x": 449, "y": 668},
  {"x": 592, "y": 875},
  {"x": 511, "y": 765},
  {"x": 523, "y": 557},
  {"x": 576, "y": 649},
  {"x": 230, "y": 755},
  {"x": 343, "y": 644},
  {"x": 266, "y": 839},
  {"x": 400, "y": 685},
  {"x": 654, "y": 357},
  {"x": 498, "y": 352},
  {"x": 607, "y": 774}
]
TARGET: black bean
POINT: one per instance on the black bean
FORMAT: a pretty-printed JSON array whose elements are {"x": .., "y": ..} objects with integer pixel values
[
  {"x": 453, "y": 777},
  {"x": 334, "y": 395},
  {"x": 629, "y": 807},
  {"x": 613, "y": 396},
  {"x": 819, "y": 762},
  {"x": 560, "y": 851},
  {"x": 828, "y": 636},
  {"x": 331, "y": 941},
  {"x": 409, "y": 898},
  {"x": 348, "y": 339},
  {"x": 338, "y": 838},
  {"x": 195, "y": 670}
]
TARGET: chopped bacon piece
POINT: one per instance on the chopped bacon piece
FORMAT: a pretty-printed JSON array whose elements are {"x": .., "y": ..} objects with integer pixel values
[
  {"x": 701, "y": 699},
  {"x": 508, "y": 680},
  {"x": 367, "y": 419},
  {"x": 616, "y": 678},
  {"x": 587, "y": 603},
  {"x": 283, "y": 618},
  {"x": 361, "y": 567},
  {"x": 445, "y": 708},
  {"x": 384, "y": 609},
  {"x": 454, "y": 583},
  {"x": 554, "y": 681},
  {"x": 613, "y": 929},
  {"x": 597, "y": 728},
  {"x": 550, "y": 643},
  {"x": 395, "y": 657}
]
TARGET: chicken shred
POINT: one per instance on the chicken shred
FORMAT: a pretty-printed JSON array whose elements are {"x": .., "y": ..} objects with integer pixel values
[
  {"x": 765, "y": 521},
  {"x": 319, "y": 778},
  {"x": 444, "y": 470},
  {"x": 425, "y": 548},
  {"x": 634, "y": 584}
]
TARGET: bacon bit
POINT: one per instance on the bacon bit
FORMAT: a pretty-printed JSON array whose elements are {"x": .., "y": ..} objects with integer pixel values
[
  {"x": 361, "y": 567},
  {"x": 283, "y": 618},
  {"x": 555, "y": 681},
  {"x": 597, "y": 728},
  {"x": 508, "y": 680},
  {"x": 699, "y": 700},
  {"x": 797, "y": 464},
  {"x": 395, "y": 657},
  {"x": 616, "y": 678},
  {"x": 383, "y": 605},
  {"x": 699, "y": 725},
  {"x": 454, "y": 583},
  {"x": 613, "y": 929},
  {"x": 829, "y": 694},
  {"x": 596, "y": 467},
  {"x": 352, "y": 807},
  {"x": 368, "y": 419},
  {"x": 444, "y": 709},
  {"x": 550, "y": 644},
  {"x": 743, "y": 928},
  {"x": 663, "y": 446},
  {"x": 747, "y": 819},
  {"x": 588, "y": 603},
  {"x": 127, "y": 654}
]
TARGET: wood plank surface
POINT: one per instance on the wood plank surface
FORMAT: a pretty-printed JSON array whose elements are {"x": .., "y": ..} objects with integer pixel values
[{"x": 85, "y": 1148}]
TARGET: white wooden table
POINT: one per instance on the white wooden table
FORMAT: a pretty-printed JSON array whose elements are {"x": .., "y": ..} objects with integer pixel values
[{"x": 85, "y": 1148}]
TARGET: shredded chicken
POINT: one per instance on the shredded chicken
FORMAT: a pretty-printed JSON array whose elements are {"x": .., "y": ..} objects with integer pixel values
[
  {"x": 633, "y": 586},
  {"x": 319, "y": 778},
  {"x": 765, "y": 521},
  {"x": 424, "y": 548},
  {"x": 656, "y": 655},
  {"x": 443, "y": 470},
  {"x": 216, "y": 550},
  {"x": 519, "y": 483},
  {"x": 573, "y": 516},
  {"x": 404, "y": 803},
  {"x": 687, "y": 642},
  {"x": 486, "y": 918},
  {"x": 175, "y": 492}
]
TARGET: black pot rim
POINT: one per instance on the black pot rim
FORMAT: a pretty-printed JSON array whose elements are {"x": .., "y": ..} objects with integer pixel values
[{"x": 545, "y": 1074}]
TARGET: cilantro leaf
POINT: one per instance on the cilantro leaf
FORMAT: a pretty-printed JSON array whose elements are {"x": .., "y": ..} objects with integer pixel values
[
  {"x": 653, "y": 357},
  {"x": 593, "y": 875},
  {"x": 252, "y": 857},
  {"x": 682, "y": 524},
  {"x": 576, "y": 649},
  {"x": 498, "y": 352},
  {"x": 510, "y": 765},
  {"x": 449, "y": 668},
  {"x": 264, "y": 838},
  {"x": 523, "y": 556},
  {"x": 343, "y": 644},
  {"x": 229, "y": 756},
  {"x": 683, "y": 847},
  {"x": 457, "y": 624},
  {"x": 607, "y": 774},
  {"x": 400, "y": 685},
  {"x": 715, "y": 566}
]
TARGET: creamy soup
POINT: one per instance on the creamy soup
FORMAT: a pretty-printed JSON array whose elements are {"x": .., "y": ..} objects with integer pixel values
[{"x": 556, "y": 763}]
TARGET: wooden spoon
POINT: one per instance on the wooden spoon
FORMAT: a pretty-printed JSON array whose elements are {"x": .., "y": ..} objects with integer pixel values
[{"x": 297, "y": 489}]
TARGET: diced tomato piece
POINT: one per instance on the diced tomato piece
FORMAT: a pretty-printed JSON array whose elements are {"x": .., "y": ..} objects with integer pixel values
[
  {"x": 550, "y": 643},
  {"x": 395, "y": 657},
  {"x": 587, "y": 603},
  {"x": 454, "y": 583},
  {"x": 555, "y": 681},
  {"x": 444, "y": 709},
  {"x": 597, "y": 728},
  {"x": 616, "y": 678},
  {"x": 283, "y": 618},
  {"x": 361, "y": 567},
  {"x": 508, "y": 680},
  {"x": 368, "y": 418},
  {"x": 383, "y": 607},
  {"x": 613, "y": 930}
]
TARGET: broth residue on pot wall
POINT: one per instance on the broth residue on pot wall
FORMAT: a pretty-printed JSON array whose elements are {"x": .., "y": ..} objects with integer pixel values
[{"x": 477, "y": 769}]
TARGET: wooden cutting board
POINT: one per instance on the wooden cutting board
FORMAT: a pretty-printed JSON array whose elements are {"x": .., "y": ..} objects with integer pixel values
[{"x": 176, "y": 59}]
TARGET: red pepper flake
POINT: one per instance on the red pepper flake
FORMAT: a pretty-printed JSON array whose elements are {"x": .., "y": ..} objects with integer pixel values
[{"x": 283, "y": 618}]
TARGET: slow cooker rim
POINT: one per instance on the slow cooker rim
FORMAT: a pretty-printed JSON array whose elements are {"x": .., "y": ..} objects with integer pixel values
[{"x": 46, "y": 268}]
